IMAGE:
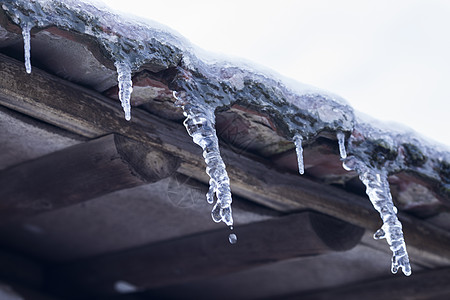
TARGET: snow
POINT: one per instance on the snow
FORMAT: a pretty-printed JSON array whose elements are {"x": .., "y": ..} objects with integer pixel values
[{"x": 375, "y": 54}]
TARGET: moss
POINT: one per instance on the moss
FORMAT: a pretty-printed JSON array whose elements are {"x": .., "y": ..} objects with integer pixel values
[
  {"x": 413, "y": 155},
  {"x": 381, "y": 152}
]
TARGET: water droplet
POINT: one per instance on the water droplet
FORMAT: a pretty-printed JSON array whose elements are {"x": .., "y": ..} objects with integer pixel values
[{"x": 232, "y": 238}]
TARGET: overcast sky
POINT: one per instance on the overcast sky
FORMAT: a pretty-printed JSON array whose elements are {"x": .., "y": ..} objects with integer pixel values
[{"x": 389, "y": 59}]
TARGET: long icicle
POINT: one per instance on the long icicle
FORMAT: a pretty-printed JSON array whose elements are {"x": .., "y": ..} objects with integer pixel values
[
  {"x": 125, "y": 87},
  {"x": 200, "y": 124},
  {"x": 26, "y": 28},
  {"x": 377, "y": 188},
  {"x": 298, "y": 139}
]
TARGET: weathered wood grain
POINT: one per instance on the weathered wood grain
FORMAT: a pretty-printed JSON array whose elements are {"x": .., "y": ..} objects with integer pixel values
[
  {"x": 79, "y": 173},
  {"x": 210, "y": 254},
  {"x": 89, "y": 114}
]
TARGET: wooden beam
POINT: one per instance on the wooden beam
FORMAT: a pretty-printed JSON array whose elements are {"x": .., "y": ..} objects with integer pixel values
[
  {"x": 432, "y": 284},
  {"x": 87, "y": 113},
  {"x": 209, "y": 254},
  {"x": 79, "y": 173}
]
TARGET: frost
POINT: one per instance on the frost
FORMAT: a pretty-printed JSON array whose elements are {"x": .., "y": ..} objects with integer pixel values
[
  {"x": 377, "y": 188},
  {"x": 200, "y": 125},
  {"x": 27, "y": 46},
  {"x": 125, "y": 87},
  {"x": 299, "y": 150},
  {"x": 341, "y": 141}
]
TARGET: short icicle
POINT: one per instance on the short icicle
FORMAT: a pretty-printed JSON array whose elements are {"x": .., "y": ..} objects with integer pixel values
[
  {"x": 125, "y": 87},
  {"x": 200, "y": 124},
  {"x": 298, "y": 139},
  {"x": 377, "y": 188},
  {"x": 341, "y": 141},
  {"x": 26, "y": 28}
]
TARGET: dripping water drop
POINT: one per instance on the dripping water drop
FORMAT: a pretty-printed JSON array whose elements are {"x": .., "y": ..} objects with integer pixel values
[{"x": 232, "y": 238}]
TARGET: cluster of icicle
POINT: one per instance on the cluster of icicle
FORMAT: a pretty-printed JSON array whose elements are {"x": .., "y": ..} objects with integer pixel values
[
  {"x": 377, "y": 188},
  {"x": 123, "y": 72},
  {"x": 200, "y": 125}
]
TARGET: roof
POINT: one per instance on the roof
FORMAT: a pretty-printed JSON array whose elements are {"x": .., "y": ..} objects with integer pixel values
[{"x": 99, "y": 206}]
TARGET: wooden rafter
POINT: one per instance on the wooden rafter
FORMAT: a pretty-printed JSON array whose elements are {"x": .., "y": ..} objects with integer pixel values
[
  {"x": 79, "y": 173},
  {"x": 209, "y": 254},
  {"x": 91, "y": 115}
]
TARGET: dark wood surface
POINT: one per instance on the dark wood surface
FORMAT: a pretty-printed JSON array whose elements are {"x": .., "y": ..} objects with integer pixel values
[
  {"x": 89, "y": 114},
  {"x": 79, "y": 173},
  {"x": 209, "y": 254},
  {"x": 433, "y": 284}
]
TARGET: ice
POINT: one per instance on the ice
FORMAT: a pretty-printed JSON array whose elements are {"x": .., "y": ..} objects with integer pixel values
[
  {"x": 377, "y": 188},
  {"x": 299, "y": 149},
  {"x": 125, "y": 87},
  {"x": 27, "y": 46},
  {"x": 341, "y": 141},
  {"x": 200, "y": 125}
]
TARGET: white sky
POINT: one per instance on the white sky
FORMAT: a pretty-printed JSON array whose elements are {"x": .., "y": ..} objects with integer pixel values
[{"x": 389, "y": 59}]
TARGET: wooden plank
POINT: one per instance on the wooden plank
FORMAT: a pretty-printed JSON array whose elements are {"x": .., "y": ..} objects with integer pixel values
[
  {"x": 79, "y": 173},
  {"x": 209, "y": 254},
  {"x": 432, "y": 284},
  {"x": 89, "y": 114}
]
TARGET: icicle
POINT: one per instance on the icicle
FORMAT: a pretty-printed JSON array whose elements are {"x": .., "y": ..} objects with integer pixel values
[
  {"x": 377, "y": 188},
  {"x": 199, "y": 124},
  {"x": 341, "y": 141},
  {"x": 299, "y": 149},
  {"x": 27, "y": 46},
  {"x": 125, "y": 87}
]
